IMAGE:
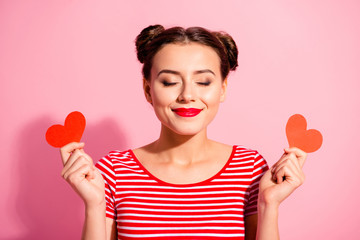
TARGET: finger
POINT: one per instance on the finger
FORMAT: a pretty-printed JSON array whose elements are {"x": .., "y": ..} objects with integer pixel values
[
  {"x": 285, "y": 160},
  {"x": 285, "y": 157},
  {"x": 286, "y": 168},
  {"x": 72, "y": 164},
  {"x": 290, "y": 172},
  {"x": 68, "y": 149},
  {"x": 292, "y": 159},
  {"x": 83, "y": 153},
  {"x": 79, "y": 163},
  {"x": 76, "y": 155},
  {"x": 87, "y": 156},
  {"x": 281, "y": 174},
  {"x": 290, "y": 162},
  {"x": 300, "y": 154},
  {"x": 78, "y": 175}
]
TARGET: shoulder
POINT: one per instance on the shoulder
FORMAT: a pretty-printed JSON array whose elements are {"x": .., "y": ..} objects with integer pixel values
[
  {"x": 116, "y": 157},
  {"x": 119, "y": 155},
  {"x": 242, "y": 153},
  {"x": 245, "y": 151}
]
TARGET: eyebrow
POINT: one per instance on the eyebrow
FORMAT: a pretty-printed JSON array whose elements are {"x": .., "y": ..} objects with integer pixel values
[{"x": 178, "y": 73}]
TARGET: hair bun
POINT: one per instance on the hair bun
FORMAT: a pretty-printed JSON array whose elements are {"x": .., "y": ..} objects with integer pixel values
[
  {"x": 144, "y": 38},
  {"x": 230, "y": 48}
]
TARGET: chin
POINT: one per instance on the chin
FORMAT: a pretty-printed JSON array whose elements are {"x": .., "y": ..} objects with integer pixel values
[
  {"x": 187, "y": 130},
  {"x": 187, "y": 133}
]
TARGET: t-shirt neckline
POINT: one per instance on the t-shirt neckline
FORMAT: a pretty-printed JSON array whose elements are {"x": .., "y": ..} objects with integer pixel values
[{"x": 153, "y": 177}]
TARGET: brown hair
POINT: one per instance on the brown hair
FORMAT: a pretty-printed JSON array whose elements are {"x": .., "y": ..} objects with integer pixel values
[{"x": 154, "y": 37}]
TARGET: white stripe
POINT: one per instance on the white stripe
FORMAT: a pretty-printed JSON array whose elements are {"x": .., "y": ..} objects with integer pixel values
[
  {"x": 181, "y": 188},
  {"x": 109, "y": 199},
  {"x": 178, "y": 216},
  {"x": 181, "y": 205},
  {"x": 107, "y": 160},
  {"x": 258, "y": 161},
  {"x": 180, "y": 235},
  {"x": 132, "y": 175},
  {"x": 235, "y": 174},
  {"x": 119, "y": 156},
  {"x": 181, "y": 210},
  {"x": 112, "y": 214},
  {"x": 259, "y": 168},
  {"x": 124, "y": 169},
  {"x": 244, "y": 153},
  {"x": 240, "y": 168},
  {"x": 179, "y": 228},
  {"x": 106, "y": 167},
  {"x": 233, "y": 180},
  {"x": 241, "y": 163},
  {"x": 135, "y": 180},
  {"x": 257, "y": 177},
  {"x": 107, "y": 178},
  {"x": 183, "y": 199},
  {"x": 118, "y": 165},
  {"x": 180, "y": 193},
  {"x": 181, "y": 222},
  {"x": 238, "y": 159}
]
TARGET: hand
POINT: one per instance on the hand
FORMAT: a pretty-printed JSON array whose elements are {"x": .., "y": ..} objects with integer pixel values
[
  {"x": 80, "y": 172},
  {"x": 283, "y": 177}
]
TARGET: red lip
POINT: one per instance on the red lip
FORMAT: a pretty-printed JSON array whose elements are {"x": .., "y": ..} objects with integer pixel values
[{"x": 187, "y": 112}]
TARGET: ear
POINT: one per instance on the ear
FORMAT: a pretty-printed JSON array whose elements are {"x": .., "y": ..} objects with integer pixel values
[
  {"x": 146, "y": 87},
  {"x": 223, "y": 90}
]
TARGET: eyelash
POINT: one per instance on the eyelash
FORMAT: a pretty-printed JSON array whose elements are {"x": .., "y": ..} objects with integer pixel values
[
  {"x": 168, "y": 84},
  {"x": 204, "y": 83}
]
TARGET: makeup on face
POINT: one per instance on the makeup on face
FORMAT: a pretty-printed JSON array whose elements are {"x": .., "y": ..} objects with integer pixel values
[
  {"x": 187, "y": 112},
  {"x": 186, "y": 87}
]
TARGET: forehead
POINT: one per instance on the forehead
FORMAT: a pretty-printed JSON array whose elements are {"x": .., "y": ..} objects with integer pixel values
[{"x": 186, "y": 57}]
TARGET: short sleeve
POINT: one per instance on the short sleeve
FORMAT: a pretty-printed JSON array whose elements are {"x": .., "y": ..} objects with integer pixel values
[
  {"x": 259, "y": 168},
  {"x": 105, "y": 166}
]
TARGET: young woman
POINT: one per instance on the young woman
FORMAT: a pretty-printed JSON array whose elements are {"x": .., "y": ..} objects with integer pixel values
[{"x": 183, "y": 185}]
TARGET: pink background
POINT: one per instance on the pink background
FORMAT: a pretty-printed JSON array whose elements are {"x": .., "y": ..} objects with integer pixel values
[{"x": 60, "y": 56}]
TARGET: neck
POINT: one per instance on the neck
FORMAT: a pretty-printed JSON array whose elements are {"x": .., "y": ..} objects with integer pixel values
[{"x": 183, "y": 149}]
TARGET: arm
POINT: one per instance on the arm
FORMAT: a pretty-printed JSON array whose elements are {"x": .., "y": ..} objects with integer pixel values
[
  {"x": 80, "y": 172},
  {"x": 111, "y": 232},
  {"x": 275, "y": 186},
  {"x": 96, "y": 224},
  {"x": 264, "y": 223},
  {"x": 267, "y": 222}
]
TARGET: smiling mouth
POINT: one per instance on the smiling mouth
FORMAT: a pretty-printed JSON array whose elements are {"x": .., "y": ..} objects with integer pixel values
[{"x": 187, "y": 112}]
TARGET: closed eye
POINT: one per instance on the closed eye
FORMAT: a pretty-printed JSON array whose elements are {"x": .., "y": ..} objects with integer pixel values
[
  {"x": 168, "y": 84},
  {"x": 204, "y": 83}
]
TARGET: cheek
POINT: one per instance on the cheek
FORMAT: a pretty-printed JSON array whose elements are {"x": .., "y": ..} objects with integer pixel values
[
  {"x": 212, "y": 97},
  {"x": 162, "y": 97}
]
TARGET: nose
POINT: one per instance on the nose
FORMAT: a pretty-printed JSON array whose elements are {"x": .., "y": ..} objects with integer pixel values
[{"x": 187, "y": 93}]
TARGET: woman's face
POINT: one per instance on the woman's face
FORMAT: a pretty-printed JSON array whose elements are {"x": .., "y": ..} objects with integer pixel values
[{"x": 186, "y": 87}]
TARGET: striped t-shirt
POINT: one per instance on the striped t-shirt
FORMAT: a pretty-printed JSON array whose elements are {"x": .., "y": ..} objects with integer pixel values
[{"x": 145, "y": 207}]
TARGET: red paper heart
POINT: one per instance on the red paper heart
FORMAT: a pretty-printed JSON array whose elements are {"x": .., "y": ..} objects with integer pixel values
[
  {"x": 297, "y": 135},
  {"x": 58, "y": 135}
]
